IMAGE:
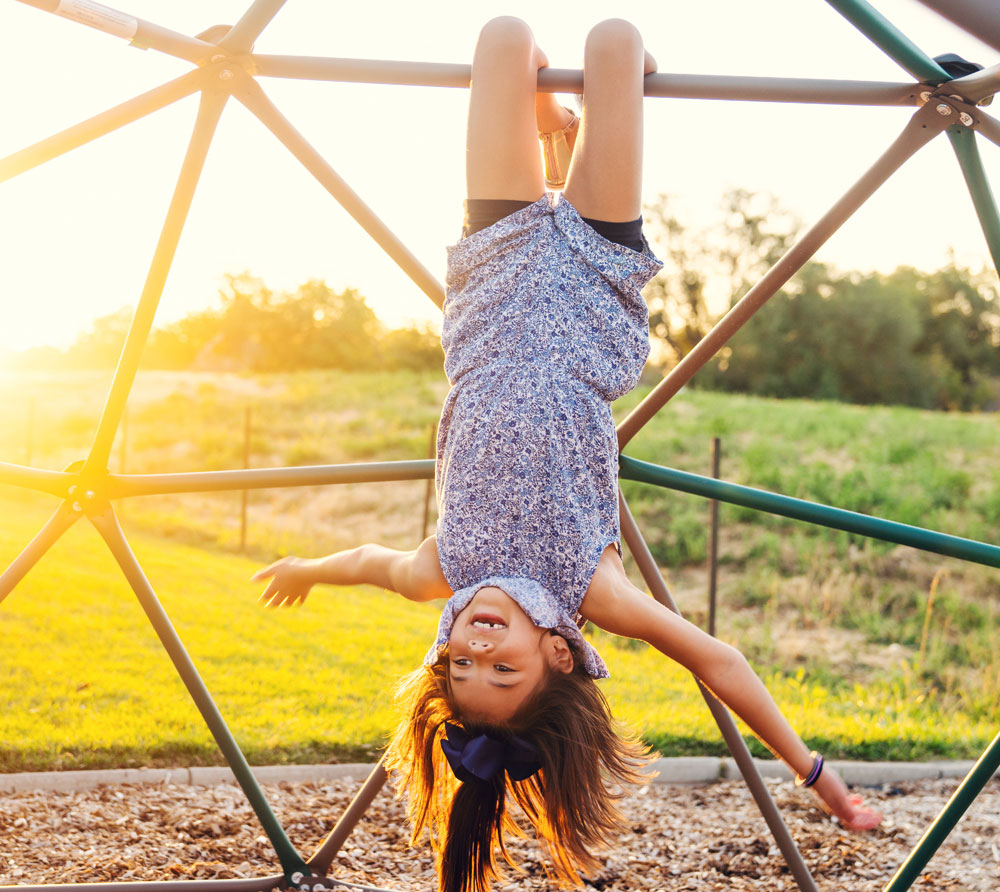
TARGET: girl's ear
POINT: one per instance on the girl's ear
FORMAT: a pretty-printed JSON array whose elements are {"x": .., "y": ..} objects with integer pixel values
[{"x": 558, "y": 653}]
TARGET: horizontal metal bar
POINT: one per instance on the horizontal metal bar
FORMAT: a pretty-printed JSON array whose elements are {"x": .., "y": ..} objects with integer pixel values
[
  {"x": 800, "y": 509},
  {"x": 781, "y": 89},
  {"x": 126, "y": 485},
  {"x": 137, "y": 31},
  {"x": 100, "y": 124},
  {"x": 56, "y": 483},
  {"x": 570, "y": 80}
]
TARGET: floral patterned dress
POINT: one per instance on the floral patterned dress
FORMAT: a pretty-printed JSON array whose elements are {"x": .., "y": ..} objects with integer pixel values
[{"x": 544, "y": 326}]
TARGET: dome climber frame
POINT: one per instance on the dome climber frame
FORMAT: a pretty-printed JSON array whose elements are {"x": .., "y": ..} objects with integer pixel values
[{"x": 225, "y": 66}]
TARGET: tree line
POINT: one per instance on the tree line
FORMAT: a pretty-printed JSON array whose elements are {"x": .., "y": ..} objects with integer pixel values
[
  {"x": 921, "y": 339},
  {"x": 254, "y": 329},
  {"x": 930, "y": 340}
]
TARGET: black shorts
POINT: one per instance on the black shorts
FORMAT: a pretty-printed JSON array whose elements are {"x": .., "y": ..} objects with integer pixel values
[{"x": 483, "y": 212}]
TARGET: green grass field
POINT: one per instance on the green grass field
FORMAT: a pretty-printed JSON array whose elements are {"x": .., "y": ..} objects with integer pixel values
[{"x": 873, "y": 651}]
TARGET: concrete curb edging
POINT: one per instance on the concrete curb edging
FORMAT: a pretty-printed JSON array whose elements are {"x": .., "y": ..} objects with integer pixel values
[
  {"x": 679, "y": 770},
  {"x": 72, "y": 781},
  {"x": 707, "y": 770}
]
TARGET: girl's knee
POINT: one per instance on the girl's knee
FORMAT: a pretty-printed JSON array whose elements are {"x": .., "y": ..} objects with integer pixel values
[
  {"x": 505, "y": 34},
  {"x": 614, "y": 37}
]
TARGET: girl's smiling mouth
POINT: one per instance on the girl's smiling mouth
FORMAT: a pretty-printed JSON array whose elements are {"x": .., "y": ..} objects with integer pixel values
[{"x": 488, "y": 621}]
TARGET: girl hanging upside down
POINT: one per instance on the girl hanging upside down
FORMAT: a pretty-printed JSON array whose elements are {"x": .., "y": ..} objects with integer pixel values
[{"x": 544, "y": 325}]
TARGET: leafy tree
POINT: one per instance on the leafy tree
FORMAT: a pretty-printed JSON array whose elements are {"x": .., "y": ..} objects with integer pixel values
[
  {"x": 101, "y": 345},
  {"x": 921, "y": 339},
  {"x": 866, "y": 339},
  {"x": 412, "y": 347},
  {"x": 714, "y": 266},
  {"x": 314, "y": 327}
]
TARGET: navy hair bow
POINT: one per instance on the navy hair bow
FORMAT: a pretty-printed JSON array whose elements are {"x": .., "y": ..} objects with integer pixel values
[{"x": 486, "y": 756}]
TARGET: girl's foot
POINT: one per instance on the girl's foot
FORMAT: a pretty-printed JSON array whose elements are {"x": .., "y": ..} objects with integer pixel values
[{"x": 557, "y": 151}]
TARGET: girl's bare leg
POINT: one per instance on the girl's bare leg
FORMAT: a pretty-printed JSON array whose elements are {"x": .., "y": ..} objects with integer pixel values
[
  {"x": 502, "y": 154},
  {"x": 605, "y": 176}
]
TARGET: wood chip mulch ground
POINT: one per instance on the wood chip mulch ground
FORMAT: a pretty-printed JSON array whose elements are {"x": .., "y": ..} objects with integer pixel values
[{"x": 674, "y": 838}]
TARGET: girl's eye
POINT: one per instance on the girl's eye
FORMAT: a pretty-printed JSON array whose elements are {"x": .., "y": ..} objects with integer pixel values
[
  {"x": 500, "y": 668},
  {"x": 461, "y": 661}
]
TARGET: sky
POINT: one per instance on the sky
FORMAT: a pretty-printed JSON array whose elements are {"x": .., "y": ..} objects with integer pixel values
[{"x": 78, "y": 232}]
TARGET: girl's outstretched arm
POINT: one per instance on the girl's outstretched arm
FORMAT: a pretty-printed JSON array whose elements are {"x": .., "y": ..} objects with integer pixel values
[
  {"x": 615, "y": 605},
  {"x": 415, "y": 575}
]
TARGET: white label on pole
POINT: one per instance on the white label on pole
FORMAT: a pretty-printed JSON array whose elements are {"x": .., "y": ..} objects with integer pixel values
[{"x": 103, "y": 18}]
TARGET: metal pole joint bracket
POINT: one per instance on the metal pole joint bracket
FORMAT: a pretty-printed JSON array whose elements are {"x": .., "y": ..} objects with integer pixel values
[
  {"x": 87, "y": 493},
  {"x": 948, "y": 104}
]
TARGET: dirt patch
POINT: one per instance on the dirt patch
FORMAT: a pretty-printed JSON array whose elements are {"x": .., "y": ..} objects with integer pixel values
[{"x": 673, "y": 838}]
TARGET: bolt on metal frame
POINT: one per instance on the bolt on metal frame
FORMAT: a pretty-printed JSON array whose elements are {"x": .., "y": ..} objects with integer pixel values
[{"x": 226, "y": 67}]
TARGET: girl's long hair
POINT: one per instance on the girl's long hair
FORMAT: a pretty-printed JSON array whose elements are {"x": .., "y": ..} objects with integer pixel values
[{"x": 571, "y": 801}]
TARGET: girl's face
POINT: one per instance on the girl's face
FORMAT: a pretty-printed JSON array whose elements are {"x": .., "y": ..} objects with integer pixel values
[{"x": 498, "y": 657}]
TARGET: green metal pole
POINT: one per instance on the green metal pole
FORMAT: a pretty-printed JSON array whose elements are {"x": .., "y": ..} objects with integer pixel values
[
  {"x": 963, "y": 141},
  {"x": 888, "y": 38},
  {"x": 107, "y": 525},
  {"x": 823, "y": 515},
  {"x": 945, "y": 822}
]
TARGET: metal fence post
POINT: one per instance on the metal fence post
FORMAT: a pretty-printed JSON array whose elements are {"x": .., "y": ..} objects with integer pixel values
[{"x": 713, "y": 541}]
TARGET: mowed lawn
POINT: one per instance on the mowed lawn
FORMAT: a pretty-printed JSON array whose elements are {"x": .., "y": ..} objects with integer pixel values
[
  {"x": 86, "y": 683},
  {"x": 872, "y": 650}
]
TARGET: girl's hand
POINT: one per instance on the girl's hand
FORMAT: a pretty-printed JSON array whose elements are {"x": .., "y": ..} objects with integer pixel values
[
  {"x": 846, "y": 808},
  {"x": 861, "y": 817},
  {"x": 291, "y": 579}
]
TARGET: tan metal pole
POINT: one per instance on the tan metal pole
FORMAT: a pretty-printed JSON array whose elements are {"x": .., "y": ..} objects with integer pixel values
[
  {"x": 828, "y": 91},
  {"x": 208, "y": 117},
  {"x": 241, "y": 36},
  {"x": 56, "y": 525},
  {"x": 100, "y": 124},
  {"x": 644, "y": 560},
  {"x": 324, "y": 855},
  {"x": 247, "y": 91},
  {"x": 922, "y": 127},
  {"x": 138, "y": 32}
]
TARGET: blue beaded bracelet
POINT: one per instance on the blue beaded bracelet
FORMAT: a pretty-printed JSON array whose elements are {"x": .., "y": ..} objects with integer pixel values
[{"x": 813, "y": 775}]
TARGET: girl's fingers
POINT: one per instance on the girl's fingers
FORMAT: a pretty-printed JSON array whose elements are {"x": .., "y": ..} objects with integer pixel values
[
  {"x": 863, "y": 818},
  {"x": 264, "y": 572},
  {"x": 269, "y": 592}
]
